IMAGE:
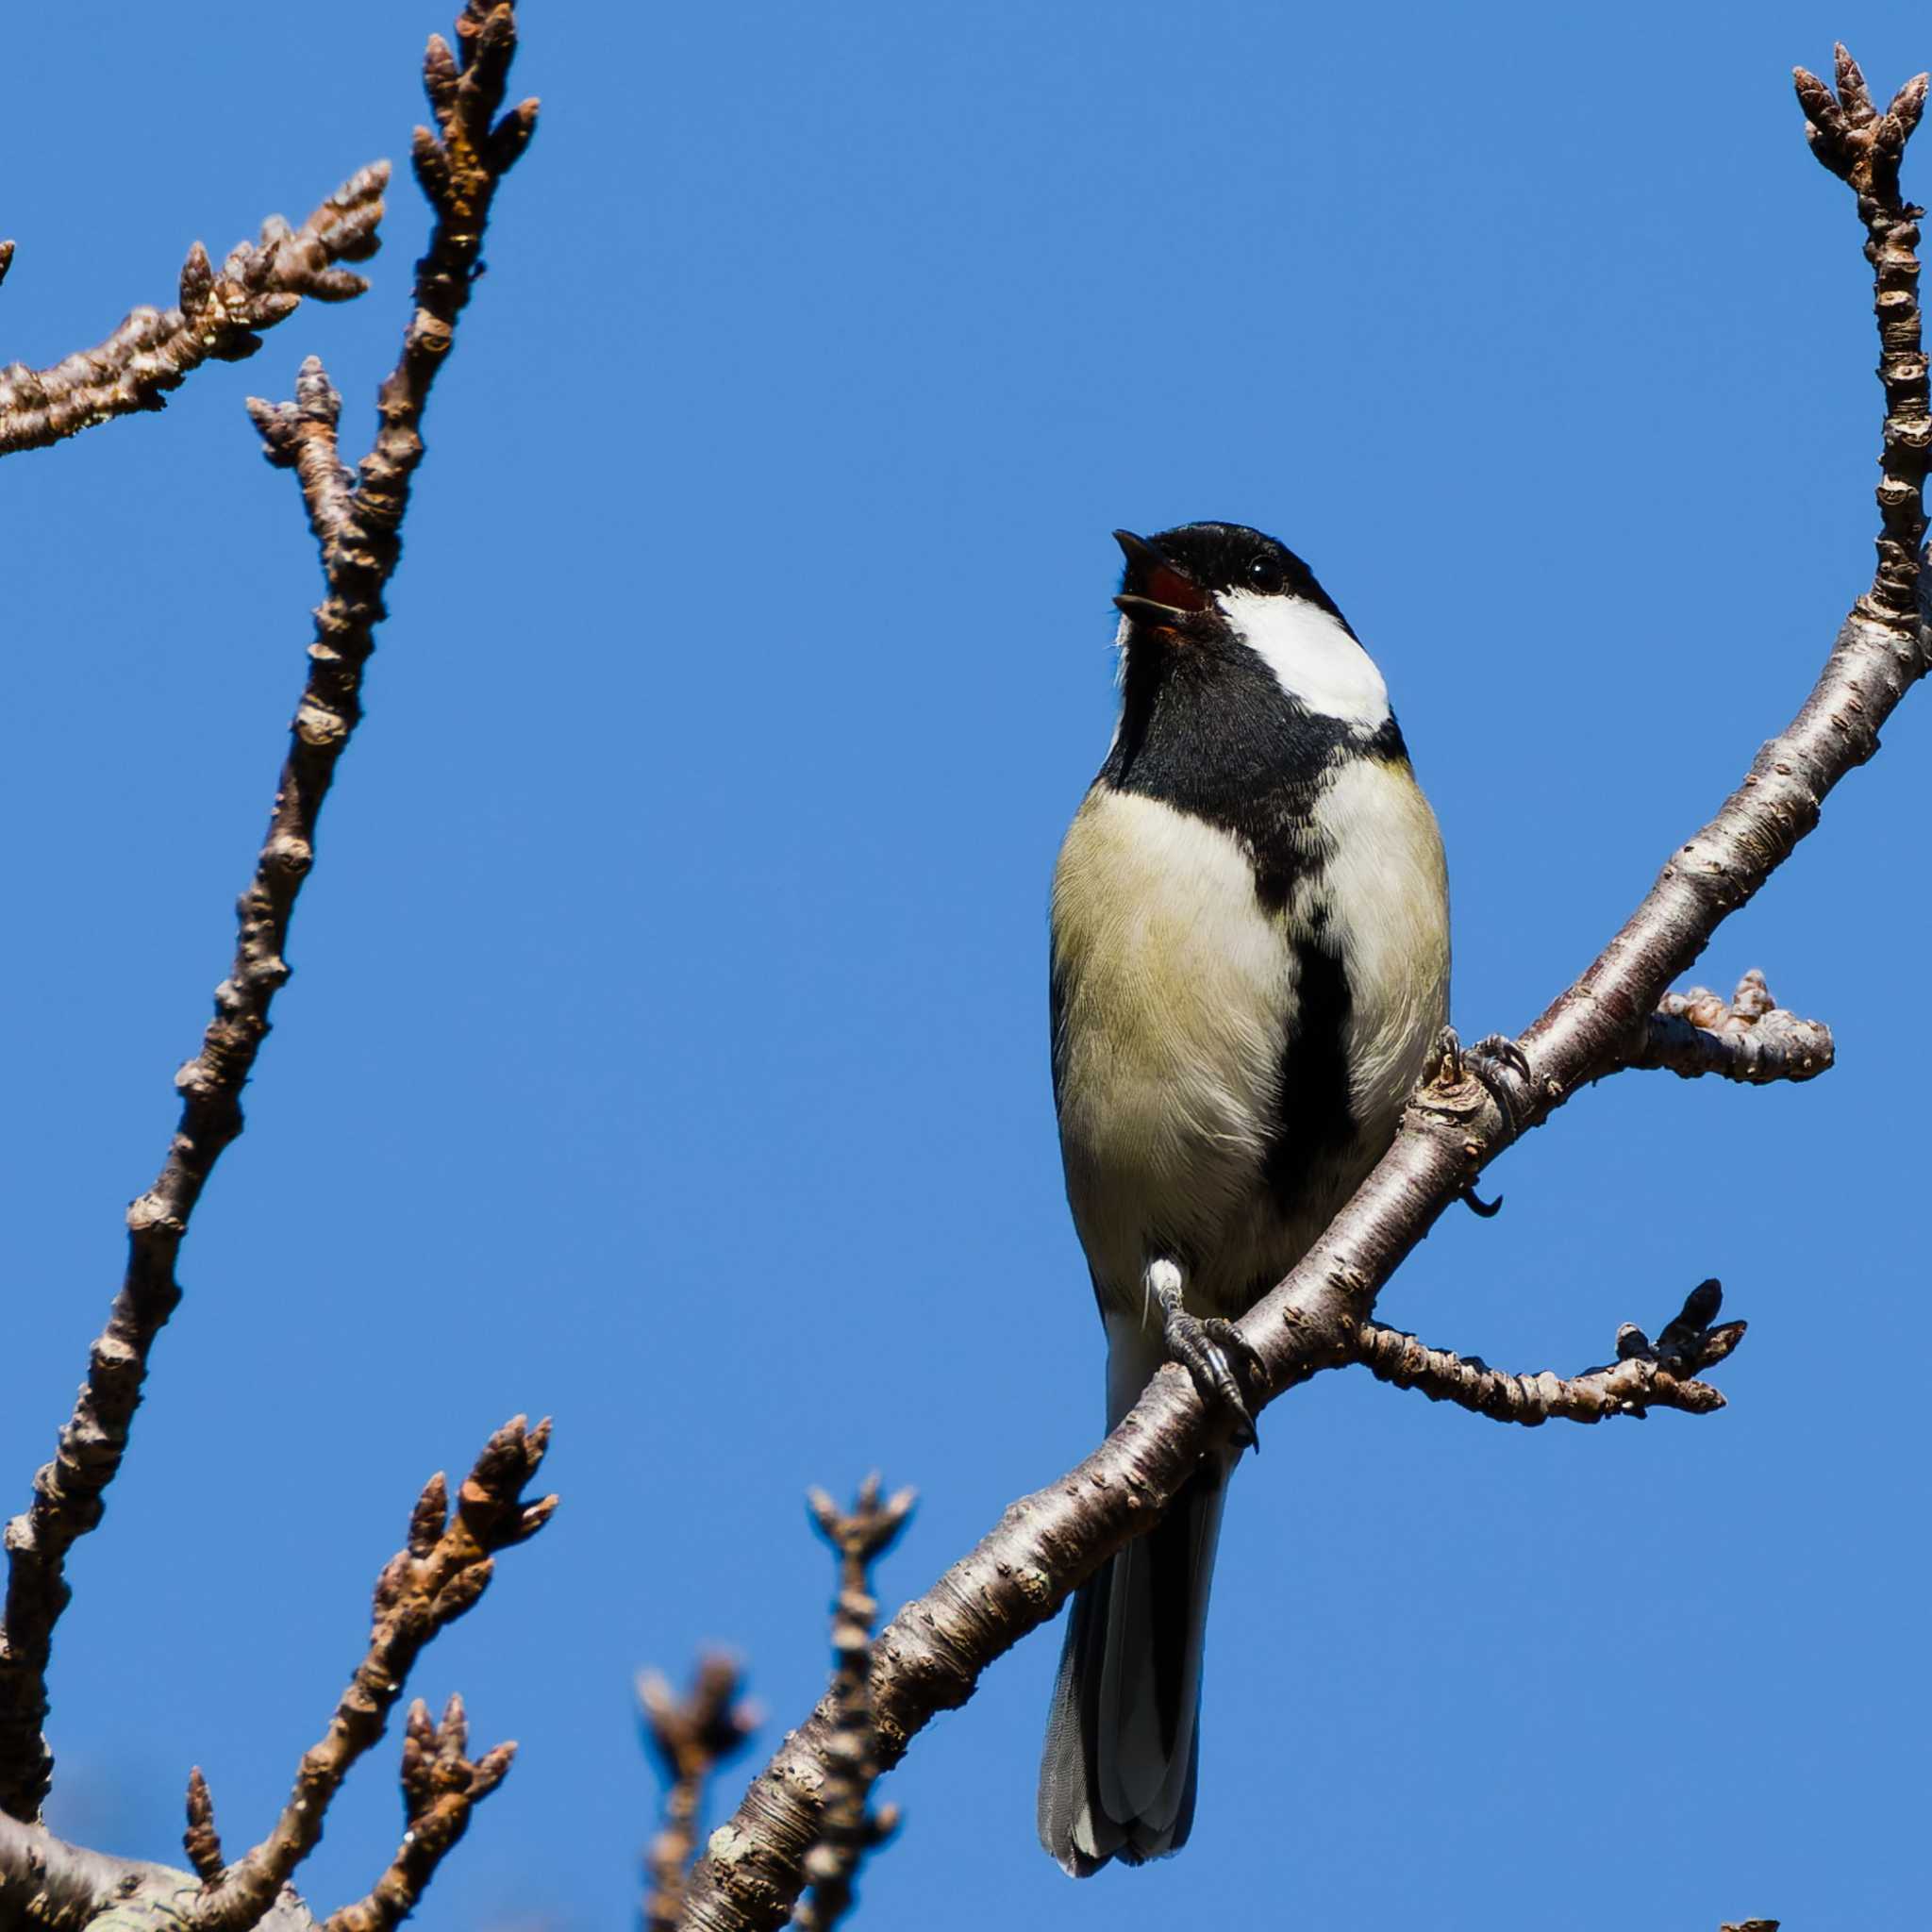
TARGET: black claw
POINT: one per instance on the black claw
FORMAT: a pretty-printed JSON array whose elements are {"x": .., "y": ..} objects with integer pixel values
[
  {"x": 1499, "y": 1046},
  {"x": 1216, "y": 1354},
  {"x": 1486, "y": 1210},
  {"x": 1483, "y": 1059}
]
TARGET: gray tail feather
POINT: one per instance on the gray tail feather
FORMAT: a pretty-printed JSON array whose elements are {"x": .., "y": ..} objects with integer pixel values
[{"x": 1118, "y": 1773}]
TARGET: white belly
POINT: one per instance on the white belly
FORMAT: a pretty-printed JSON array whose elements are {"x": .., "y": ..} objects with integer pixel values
[{"x": 1175, "y": 981}]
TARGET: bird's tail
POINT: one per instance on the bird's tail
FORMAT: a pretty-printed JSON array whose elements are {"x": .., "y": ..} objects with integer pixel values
[{"x": 1117, "y": 1776}]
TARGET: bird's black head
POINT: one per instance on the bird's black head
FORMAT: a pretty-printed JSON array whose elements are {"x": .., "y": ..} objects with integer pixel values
[
  {"x": 1174, "y": 576},
  {"x": 1230, "y": 649}
]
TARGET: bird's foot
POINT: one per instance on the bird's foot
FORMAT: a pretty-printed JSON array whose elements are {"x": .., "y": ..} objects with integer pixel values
[
  {"x": 1492, "y": 1062},
  {"x": 1214, "y": 1353}
]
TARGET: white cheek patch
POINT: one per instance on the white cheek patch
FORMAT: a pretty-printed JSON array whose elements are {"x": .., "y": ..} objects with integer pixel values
[
  {"x": 1119, "y": 678},
  {"x": 1311, "y": 655}
]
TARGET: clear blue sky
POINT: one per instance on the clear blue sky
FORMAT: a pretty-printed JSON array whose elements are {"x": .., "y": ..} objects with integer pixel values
[{"x": 666, "y": 1048}]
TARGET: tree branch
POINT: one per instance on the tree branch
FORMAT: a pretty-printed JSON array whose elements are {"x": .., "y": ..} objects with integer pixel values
[
  {"x": 688, "y": 1736},
  {"x": 56, "y": 1887},
  {"x": 1752, "y": 1040},
  {"x": 441, "y": 1788},
  {"x": 929, "y": 1657},
  {"x": 848, "y": 1826},
  {"x": 1863, "y": 148},
  {"x": 359, "y": 531},
  {"x": 442, "y": 1572},
  {"x": 1645, "y": 1376},
  {"x": 50, "y": 1886},
  {"x": 218, "y": 320}
]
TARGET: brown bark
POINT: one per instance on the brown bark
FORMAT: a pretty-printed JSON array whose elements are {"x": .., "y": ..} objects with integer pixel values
[
  {"x": 690, "y": 1736},
  {"x": 218, "y": 320},
  {"x": 441, "y": 1787},
  {"x": 56, "y": 1887},
  {"x": 438, "y": 1577},
  {"x": 435, "y": 1578},
  {"x": 1752, "y": 1038},
  {"x": 1645, "y": 1376},
  {"x": 358, "y": 527},
  {"x": 849, "y": 1827}
]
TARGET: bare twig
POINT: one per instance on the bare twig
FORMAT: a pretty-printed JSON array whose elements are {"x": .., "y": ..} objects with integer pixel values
[
  {"x": 219, "y": 318},
  {"x": 359, "y": 531},
  {"x": 929, "y": 1657},
  {"x": 1863, "y": 148},
  {"x": 848, "y": 1826},
  {"x": 442, "y": 1572},
  {"x": 688, "y": 1736},
  {"x": 301, "y": 436},
  {"x": 1752, "y": 1040},
  {"x": 1645, "y": 1375},
  {"x": 441, "y": 1788}
]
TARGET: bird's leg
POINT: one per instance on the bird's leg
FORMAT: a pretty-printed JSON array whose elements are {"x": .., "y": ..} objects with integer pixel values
[{"x": 1215, "y": 1353}]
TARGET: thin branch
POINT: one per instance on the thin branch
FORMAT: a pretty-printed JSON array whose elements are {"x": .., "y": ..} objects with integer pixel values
[
  {"x": 361, "y": 535},
  {"x": 1863, "y": 148},
  {"x": 929, "y": 1657},
  {"x": 1645, "y": 1375},
  {"x": 442, "y": 1572},
  {"x": 219, "y": 319},
  {"x": 1752, "y": 1040},
  {"x": 301, "y": 436},
  {"x": 848, "y": 1826},
  {"x": 690, "y": 1736},
  {"x": 441, "y": 1788}
]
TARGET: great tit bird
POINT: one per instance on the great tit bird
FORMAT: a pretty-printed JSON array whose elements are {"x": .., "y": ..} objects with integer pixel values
[{"x": 1250, "y": 966}]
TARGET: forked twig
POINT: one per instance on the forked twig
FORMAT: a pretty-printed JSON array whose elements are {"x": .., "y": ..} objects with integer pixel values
[
  {"x": 689, "y": 1737},
  {"x": 442, "y": 1786},
  {"x": 461, "y": 169},
  {"x": 219, "y": 316},
  {"x": 1645, "y": 1375},
  {"x": 849, "y": 1827},
  {"x": 436, "y": 1577}
]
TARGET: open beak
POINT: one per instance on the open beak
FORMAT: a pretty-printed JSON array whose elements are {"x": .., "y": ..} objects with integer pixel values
[{"x": 1157, "y": 592}]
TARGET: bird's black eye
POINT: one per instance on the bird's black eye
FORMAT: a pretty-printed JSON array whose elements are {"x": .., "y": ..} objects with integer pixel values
[{"x": 1266, "y": 575}]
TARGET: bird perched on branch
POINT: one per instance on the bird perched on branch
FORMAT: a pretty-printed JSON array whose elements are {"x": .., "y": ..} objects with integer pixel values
[{"x": 1250, "y": 967}]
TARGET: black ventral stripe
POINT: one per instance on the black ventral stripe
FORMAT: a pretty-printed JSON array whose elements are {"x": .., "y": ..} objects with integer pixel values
[{"x": 1316, "y": 1120}]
